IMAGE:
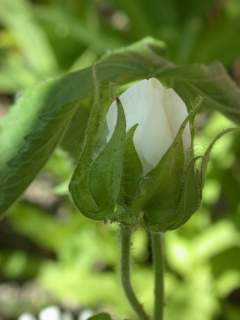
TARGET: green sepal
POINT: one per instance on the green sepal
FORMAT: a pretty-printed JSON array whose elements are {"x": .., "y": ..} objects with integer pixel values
[
  {"x": 74, "y": 135},
  {"x": 132, "y": 170},
  {"x": 191, "y": 196},
  {"x": 172, "y": 205},
  {"x": 161, "y": 188},
  {"x": 194, "y": 182},
  {"x": 95, "y": 185},
  {"x": 79, "y": 184},
  {"x": 179, "y": 195},
  {"x": 132, "y": 175},
  {"x": 106, "y": 171},
  {"x": 165, "y": 196}
]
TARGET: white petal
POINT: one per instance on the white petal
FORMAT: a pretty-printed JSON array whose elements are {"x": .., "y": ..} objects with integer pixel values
[
  {"x": 176, "y": 111},
  {"x": 144, "y": 104}
]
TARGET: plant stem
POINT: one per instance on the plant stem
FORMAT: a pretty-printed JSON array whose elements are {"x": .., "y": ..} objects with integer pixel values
[
  {"x": 125, "y": 273},
  {"x": 158, "y": 262}
]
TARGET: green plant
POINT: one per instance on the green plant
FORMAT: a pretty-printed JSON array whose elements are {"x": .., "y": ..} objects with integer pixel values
[{"x": 46, "y": 113}]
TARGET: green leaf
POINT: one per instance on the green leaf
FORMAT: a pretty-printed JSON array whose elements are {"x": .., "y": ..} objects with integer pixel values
[
  {"x": 28, "y": 136},
  {"x": 34, "y": 126},
  {"x": 100, "y": 316},
  {"x": 212, "y": 83},
  {"x": 72, "y": 141},
  {"x": 80, "y": 183}
]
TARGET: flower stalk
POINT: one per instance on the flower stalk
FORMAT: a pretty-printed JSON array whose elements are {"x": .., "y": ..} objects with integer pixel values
[
  {"x": 158, "y": 263},
  {"x": 125, "y": 233}
]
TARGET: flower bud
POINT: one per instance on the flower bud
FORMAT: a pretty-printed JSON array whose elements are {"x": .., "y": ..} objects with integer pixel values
[{"x": 143, "y": 164}]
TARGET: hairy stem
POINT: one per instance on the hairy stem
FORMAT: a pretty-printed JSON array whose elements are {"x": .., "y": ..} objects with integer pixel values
[
  {"x": 158, "y": 262},
  {"x": 125, "y": 273}
]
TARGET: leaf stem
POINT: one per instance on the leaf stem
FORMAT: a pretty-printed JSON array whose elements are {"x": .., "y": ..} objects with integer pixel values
[
  {"x": 125, "y": 232},
  {"x": 158, "y": 262}
]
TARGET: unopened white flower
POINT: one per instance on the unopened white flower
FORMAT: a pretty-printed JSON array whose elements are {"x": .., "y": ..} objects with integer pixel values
[{"x": 159, "y": 113}]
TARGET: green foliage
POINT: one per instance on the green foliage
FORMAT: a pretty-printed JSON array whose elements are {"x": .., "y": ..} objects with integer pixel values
[
  {"x": 50, "y": 244},
  {"x": 52, "y": 104},
  {"x": 50, "y": 107}
]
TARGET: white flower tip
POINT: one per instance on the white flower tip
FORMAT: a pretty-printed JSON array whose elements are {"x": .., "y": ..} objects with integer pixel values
[{"x": 159, "y": 113}]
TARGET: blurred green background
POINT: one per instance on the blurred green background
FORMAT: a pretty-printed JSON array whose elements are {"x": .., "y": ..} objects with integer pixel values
[{"x": 49, "y": 253}]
